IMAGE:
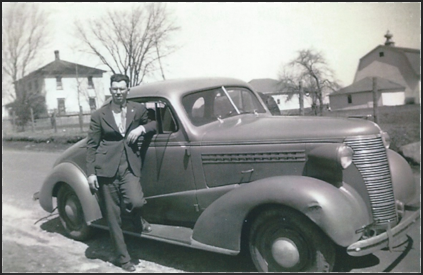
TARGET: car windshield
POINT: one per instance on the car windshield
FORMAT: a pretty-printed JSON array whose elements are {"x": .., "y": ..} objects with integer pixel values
[{"x": 217, "y": 104}]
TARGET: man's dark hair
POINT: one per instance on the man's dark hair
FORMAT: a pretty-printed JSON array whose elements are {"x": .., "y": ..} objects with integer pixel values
[{"x": 119, "y": 78}]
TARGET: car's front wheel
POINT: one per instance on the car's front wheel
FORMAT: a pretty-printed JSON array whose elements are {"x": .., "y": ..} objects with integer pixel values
[
  {"x": 284, "y": 240},
  {"x": 71, "y": 214}
]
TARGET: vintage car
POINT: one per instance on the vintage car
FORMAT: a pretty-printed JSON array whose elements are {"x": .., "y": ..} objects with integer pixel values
[{"x": 222, "y": 174}]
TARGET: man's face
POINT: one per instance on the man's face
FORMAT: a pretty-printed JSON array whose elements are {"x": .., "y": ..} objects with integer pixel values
[{"x": 119, "y": 91}]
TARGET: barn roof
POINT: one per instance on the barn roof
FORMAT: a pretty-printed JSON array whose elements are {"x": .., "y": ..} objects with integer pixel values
[{"x": 366, "y": 85}]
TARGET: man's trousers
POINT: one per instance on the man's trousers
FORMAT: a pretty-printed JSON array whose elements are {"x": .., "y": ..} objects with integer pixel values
[{"x": 127, "y": 187}]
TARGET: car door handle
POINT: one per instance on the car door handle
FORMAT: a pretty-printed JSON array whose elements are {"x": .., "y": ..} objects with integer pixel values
[
  {"x": 247, "y": 171},
  {"x": 187, "y": 150}
]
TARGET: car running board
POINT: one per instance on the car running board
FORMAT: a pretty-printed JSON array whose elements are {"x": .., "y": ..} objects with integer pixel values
[{"x": 174, "y": 235}]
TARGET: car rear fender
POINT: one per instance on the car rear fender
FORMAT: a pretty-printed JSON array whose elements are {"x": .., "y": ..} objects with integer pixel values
[
  {"x": 70, "y": 174},
  {"x": 339, "y": 212}
]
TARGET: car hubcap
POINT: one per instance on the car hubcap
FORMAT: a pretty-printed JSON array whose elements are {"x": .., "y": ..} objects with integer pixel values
[
  {"x": 71, "y": 210},
  {"x": 285, "y": 252}
]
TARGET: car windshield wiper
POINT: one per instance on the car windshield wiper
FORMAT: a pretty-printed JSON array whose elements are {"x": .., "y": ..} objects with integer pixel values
[{"x": 230, "y": 99}]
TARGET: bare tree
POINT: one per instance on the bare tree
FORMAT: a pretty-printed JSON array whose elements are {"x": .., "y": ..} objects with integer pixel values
[
  {"x": 133, "y": 41},
  {"x": 24, "y": 34},
  {"x": 311, "y": 69}
]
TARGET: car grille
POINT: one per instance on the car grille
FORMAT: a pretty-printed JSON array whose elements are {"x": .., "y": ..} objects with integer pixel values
[{"x": 371, "y": 160}]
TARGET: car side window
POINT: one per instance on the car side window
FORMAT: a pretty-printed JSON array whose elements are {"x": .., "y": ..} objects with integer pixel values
[
  {"x": 167, "y": 119},
  {"x": 160, "y": 111}
]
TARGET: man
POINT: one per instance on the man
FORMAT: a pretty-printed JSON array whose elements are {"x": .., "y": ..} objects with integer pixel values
[{"x": 114, "y": 162}]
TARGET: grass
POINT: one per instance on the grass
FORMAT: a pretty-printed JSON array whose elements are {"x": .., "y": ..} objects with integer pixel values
[
  {"x": 64, "y": 135},
  {"x": 402, "y": 123}
]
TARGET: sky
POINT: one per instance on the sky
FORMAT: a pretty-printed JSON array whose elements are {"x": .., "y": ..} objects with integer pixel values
[{"x": 254, "y": 40}]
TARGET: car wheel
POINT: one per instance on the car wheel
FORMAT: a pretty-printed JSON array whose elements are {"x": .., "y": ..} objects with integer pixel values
[
  {"x": 284, "y": 240},
  {"x": 71, "y": 214}
]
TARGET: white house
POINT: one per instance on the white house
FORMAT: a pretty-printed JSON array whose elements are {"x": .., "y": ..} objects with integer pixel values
[
  {"x": 271, "y": 87},
  {"x": 66, "y": 86}
]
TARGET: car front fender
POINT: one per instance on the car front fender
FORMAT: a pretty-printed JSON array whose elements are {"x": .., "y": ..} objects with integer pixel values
[
  {"x": 70, "y": 174},
  {"x": 339, "y": 212},
  {"x": 404, "y": 184}
]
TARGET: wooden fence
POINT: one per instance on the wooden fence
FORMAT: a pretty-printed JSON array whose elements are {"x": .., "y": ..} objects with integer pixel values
[{"x": 71, "y": 121}]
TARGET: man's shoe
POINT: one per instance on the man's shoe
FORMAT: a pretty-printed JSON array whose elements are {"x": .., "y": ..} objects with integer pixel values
[
  {"x": 146, "y": 227},
  {"x": 128, "y": 267}
]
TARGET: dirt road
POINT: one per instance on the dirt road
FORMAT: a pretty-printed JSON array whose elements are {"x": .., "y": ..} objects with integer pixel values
[{"x": 33, "y": 241}]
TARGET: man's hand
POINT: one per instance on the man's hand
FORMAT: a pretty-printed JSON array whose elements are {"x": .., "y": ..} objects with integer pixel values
[
  {"x": 136, "y": 133},
  {"x": 93, "y": 182}
]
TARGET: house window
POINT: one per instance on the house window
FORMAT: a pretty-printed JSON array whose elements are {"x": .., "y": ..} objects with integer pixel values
[
  {"x": 349, "y": 99},
  {"x": 61, "y": 106},
  {"x": 90, "y": 82},
  {"x": 59, "y": 85},
  {"x": 381, "y": 54},
  {"x": 36, "y": 84},
  {"x": 279, "y": 101},
  {"x": 30, "y": 86},
  {"x": 92, "y": 103}
]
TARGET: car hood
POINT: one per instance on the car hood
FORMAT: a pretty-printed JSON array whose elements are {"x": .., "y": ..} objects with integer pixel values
[{"x": 251, "y": 128}]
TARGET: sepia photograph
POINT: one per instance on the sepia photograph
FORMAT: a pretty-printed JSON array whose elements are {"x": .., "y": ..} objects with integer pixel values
[{"x": 176, "y": 137}]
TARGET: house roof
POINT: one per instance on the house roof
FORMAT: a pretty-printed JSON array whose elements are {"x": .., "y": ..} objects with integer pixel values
[
  {"x": 64, "y": 68},
  {"x": 366, "y": 85},
  {"x": 61, "y": 67},
  {"x": 266, "y": 85}
]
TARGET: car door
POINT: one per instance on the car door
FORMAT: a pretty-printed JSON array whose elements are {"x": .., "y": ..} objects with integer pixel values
[{"x": 167, "y": 178}]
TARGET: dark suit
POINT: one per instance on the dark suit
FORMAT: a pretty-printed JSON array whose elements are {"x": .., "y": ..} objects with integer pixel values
[
  {"x": 117, "y": 165},
  {"x": 105, "y": 142}
]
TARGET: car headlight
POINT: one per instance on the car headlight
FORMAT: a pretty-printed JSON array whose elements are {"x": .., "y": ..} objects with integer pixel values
[
  {"x": 386, "y": 139},
  {"x": 331, "y": 155},
  {"x": 345, "y": 155}
]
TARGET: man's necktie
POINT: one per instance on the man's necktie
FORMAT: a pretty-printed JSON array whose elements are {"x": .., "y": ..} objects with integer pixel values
[{"x": 122, "y": 127}]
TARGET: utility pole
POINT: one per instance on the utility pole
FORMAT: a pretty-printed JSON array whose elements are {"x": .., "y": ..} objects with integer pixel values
[
  {"x": 301, "y": 97},
  {"x": 375, "y": 101}
]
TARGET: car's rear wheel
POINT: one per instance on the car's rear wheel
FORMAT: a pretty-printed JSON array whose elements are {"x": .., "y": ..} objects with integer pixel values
[
  {"x": 71, "y": 214},
  {"x": 284, "y": 240}
]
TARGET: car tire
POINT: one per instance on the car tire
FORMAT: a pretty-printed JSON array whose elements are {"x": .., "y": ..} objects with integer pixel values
[
  {"x": 285, "y": 240},
  {"x": 71, "y": 214}
]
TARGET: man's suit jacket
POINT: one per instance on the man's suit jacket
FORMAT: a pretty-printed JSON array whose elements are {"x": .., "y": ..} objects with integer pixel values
[{"x": 105, "y": 143}]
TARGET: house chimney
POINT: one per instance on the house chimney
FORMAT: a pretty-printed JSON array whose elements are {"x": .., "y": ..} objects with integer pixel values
[
  {"x": 388, "y": 41},
  {"x": 56, "y": 55}
]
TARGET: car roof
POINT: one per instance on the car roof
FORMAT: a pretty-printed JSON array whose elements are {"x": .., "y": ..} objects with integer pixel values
[{"x": 179, "y": 87}]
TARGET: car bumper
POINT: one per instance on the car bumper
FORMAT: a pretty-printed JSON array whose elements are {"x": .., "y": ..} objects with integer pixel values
[{"x": 390, "y": 238}]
